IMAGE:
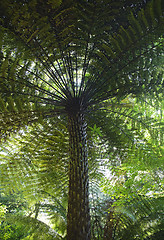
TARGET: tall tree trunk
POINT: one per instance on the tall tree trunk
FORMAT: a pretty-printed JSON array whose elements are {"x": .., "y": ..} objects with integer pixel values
[{"x": 78, "y": 218}]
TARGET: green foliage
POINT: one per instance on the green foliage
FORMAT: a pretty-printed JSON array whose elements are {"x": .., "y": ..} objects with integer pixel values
[
  {"x": 38, "y": 230},
  {"x": 19, "y": 218},
  {"x": 2, "y": 211},
  {"x": 11, "y": 204},
  {"x": 137, "y": 202},
  {"x": 38, "y": 150},
  {"x": 101, "y": 59}
]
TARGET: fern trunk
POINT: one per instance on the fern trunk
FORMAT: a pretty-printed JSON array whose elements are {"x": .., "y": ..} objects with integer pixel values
[{"x": 78, "y": 218}]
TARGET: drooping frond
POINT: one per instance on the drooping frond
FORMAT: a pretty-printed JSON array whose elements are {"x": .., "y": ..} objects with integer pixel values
[
  {"x": 37, "y": 158},
  {"x": 37, "y": 229},
  {"x": 130, "y": 132},
  {"x": 143, "y": 216},
  {"x": 68, "y": 46}
]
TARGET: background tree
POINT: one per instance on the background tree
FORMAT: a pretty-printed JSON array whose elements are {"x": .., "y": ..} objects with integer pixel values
[{"x": 70, "y": 59}]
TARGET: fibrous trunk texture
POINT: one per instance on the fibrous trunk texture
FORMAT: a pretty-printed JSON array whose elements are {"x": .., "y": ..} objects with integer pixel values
[
  {"x": 109, "y": 227},
  {"x": 78, "y": 218}
]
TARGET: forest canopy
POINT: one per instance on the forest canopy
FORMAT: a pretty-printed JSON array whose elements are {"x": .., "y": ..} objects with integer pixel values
[{"x": 81, "y": 119}]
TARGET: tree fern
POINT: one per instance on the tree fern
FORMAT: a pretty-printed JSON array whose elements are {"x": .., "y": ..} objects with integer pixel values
[{"x": 64, "y": 62}]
